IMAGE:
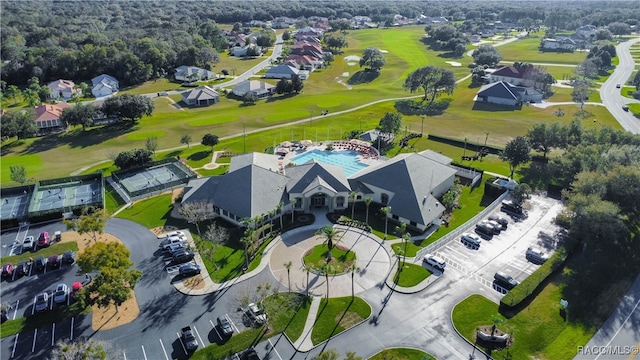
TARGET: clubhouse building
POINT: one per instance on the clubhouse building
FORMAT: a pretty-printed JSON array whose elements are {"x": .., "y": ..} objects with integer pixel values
[{"x": 257, "y": 184}]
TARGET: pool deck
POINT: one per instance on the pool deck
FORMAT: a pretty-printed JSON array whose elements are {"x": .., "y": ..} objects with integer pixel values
[{"x": 369, "y": 161}]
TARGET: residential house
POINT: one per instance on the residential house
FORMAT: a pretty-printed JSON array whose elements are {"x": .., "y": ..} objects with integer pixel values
[
  {"x": 560, "y": 44},
  {"x": 62, "y": 89},
  {"x": 504, "y": 93},
  {"x": 258, "y": 88},
  {"x": 308, "y": 32},
  {"x": 284, "y": 71},
  {"x": 241, "y": 51},
  {"x": 192, "y": 73},
  {"x": 48, "y": 117},
  {"x": 587, "y": 31},
  {"x": 200, "y": 96},
  {"x": 256, "y": 183},
  {"x": 306, "y": 48},
  {"x": 104, "y": 85},
  {"x": 282, "y": 22},
  {"x": 422, "y": 19},
  {"x": 510, "y": 74},
  {"x": 305, "y": 62}
]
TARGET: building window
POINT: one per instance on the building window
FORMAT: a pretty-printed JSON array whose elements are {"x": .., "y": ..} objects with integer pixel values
[
  {"x": 413, "y": 223},
  {"x": 359, "y": 197},
  {"x": 340, "y": 201},
  {"x": 384, "y": 199},
  {"x": 395, "y": 217}
]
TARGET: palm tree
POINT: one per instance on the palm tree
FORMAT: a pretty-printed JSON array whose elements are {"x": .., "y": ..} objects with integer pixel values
[
  {"x": 405, "y": 237},
  {"x": 247, "y": 240},
  {"x": 330, "y": 236},
  {"x": 272, "y": 213},
  {"x": 293, "y": 208},
  {"x": 353, "y": 268},
  {"x": 353, "y": 195},
  {"x": 280, "y": 206},
  {"x": 306, "y": 269},
  {"x": 287, "y": 265},
  {"x": 327, "y": 268},
  {"x": 400, "y": 229},
  {"x": 367, "y": 201},
  {"x": 386, "y": 210}
]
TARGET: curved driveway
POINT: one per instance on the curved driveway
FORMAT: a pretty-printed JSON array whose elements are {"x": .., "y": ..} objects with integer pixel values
[{"x": 612, "y": 97}]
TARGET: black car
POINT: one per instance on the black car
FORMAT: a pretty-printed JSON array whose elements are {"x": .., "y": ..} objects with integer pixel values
[
  {"x": 500, "y": 220},
  {"x": 54, "y": 261},
  {"x": 250, "y": 354},
  {"x": 69, "y": 257},
  {"x": 183, "y": 256},
  {"x": 40, "y": 263},
  {"x": 189, "y": 270},
  {"x": 225, "y": 326},
  {"x": 22, "y": 268}
]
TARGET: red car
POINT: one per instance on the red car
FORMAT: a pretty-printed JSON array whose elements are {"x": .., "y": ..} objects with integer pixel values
[
  {"x": 7, "y": 270},
  {"x": 43, "y": 239},
  {"x": 75, "y": 288}
]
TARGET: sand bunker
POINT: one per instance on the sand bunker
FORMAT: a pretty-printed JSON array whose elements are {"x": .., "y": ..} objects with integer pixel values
[
  {"x": 384, "y": 51},
  {"x": 352, "y": 58},
  {"x": 453, "y": 63},
  {"x": 345, "y": 74}
]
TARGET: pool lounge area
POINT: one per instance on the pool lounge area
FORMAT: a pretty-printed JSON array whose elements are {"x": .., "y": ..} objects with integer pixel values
[{"x": 346, "y": 159}]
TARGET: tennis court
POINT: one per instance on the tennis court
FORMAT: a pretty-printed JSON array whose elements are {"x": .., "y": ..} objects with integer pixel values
[
  {"x": 14, "y": 205},
  {"x": 67, "y": 195},
  {"x": 160, "y": 177}
]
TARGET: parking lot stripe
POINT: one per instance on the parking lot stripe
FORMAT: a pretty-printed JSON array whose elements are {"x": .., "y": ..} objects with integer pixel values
[
  {"x": 232, "y": 323},
  {"x": 163, "y": 350},
  {"x": 15, "y": 311},
  {"x": 33, "y": 308},
  {"x": 72, "y": 320},
  {"x": 53, "y": 334},
  {"x": 216, "y": 330},
  {"x": 124, "y": 355},
  {"x": 35, "y": 335},
  {"x": 197, "y": 333},
  {"x": 15, "y": 343},
  {"x": 274, "y": 349},
  {"x": 144, "y": 352},
  {"x": 181, "y": 343}
]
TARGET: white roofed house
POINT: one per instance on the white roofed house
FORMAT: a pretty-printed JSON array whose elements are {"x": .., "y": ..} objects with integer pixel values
[
  {"x": 104, "y": 85},
  {"x": 200, "y": 96},
  {"x": 258, "y": 88},
  {"x": 192, "y": 73},
  {"x": 62, "y": 89},
  {"x": 281, "y": 72}
]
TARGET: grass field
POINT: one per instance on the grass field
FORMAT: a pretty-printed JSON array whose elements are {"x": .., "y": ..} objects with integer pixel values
[
  {"x": 322, "y": 92},
  {"x": 402, "y": 354},
  {"x": 410, "y": 275},
  {"x": 526, "y": 50},
  {"x": 338, "y": 314}
]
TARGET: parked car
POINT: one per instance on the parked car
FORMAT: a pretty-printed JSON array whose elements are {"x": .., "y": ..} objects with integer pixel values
[
  {"x": 173, "y": 248},
  {"x": 57, "y": 236},
  {"x": 189, "y": 339},
  {"x": 435, "y": 261},
  {"x": 165, "y": 244},
  {"x": 625, "y": 107},
  {"x": 7, "y": 270},
  {"x": 69, "y": 257},
  {"x": 495, "y": 227},
  {"x": 22, "y": 268},
  {"x": 500, "y": 220},
  {"x": 225, "y": 326},
  {"x": 183, "y": 256},
  {"x": 536, "y": 255},
  {"x": 470, "y": 240},
  {"x": 505, "y": 280},
  {"x": 250, "y": 354},
  {"x": 75, "y": 288},
  {"x": 189, "y": 270},
  {"x": 256, "y": 314},
  {"x": 28, "y": 244},
  {"x": 484, "y": 230},
  {"x": 41, "y": 263},
  {"x": 54, "y": 261},
  {"x": 42, "y": 301},
  {"x": 60, "y": 295},
  {"x": 618, "y": 86},
  {"x": 170, "y": 234},
  {"x": 43, "y": 239},
  {"x": 513, "y": 209}
]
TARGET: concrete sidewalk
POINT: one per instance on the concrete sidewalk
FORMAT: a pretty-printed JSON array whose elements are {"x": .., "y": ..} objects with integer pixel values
[{"x": 304, "y": 342}]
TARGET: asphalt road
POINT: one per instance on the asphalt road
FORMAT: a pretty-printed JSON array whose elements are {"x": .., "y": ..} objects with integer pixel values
[{"x": 611, "y": 96}]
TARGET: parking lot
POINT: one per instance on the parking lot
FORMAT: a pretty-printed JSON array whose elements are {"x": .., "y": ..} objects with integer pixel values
[{"x": 506, "y": 252}]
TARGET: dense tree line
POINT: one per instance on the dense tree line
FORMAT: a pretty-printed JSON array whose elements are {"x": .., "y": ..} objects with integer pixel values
[{"x": 136, "y": 41}]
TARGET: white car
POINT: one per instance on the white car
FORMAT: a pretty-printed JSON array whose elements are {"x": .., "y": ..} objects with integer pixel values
[
  {"x": 435, "y": 261},
  {"x": 171, "y": 234},
  {"x": 256, "y": 314},
  {"x": 60, "y": 295},
  {"x": 536, "y": 255},
  {"x": 28, "y": 244}
]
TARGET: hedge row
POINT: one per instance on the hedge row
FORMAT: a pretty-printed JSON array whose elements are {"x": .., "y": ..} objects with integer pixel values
[
  {"x": 343, "y": 220},
  {"x": 472, "y": 146},
  {"x": 526, "y": 288}
]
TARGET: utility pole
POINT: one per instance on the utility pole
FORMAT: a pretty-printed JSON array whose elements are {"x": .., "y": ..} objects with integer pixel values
[
  {"x": 422, "y": 125},
  {"x": 310, "y": 118},
  {"x": 486, "y": 137},
  {"x": 244, "y": 139}
]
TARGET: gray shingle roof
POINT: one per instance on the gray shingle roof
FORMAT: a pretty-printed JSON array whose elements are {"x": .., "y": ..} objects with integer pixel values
[
  {"x": 266, "y": 161},
  {"x": 408, "y": 179},
  {"x": 302, "y": 175},
  {"x": 498, "y": 89}
]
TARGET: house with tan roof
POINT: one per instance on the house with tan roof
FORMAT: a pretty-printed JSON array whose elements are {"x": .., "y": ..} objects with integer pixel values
[
  {"x": 48, "y": 117},
  {"x": 257, "y": 88},
  {"x": 62, "y": 89},
  {"x": 192, "y": 73}
]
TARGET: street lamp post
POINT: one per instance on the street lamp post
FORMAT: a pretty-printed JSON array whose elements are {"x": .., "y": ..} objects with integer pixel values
[
  {"x": 310, "y": 118},
  {"x": 244, "y": 139}
]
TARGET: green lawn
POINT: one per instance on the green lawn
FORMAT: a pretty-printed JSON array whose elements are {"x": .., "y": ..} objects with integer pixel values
[
  {"x": 153, "y": 86},
  {"x": 539, "y": 330},
  {"x": 526, "y": 50},
  {"x": 410, "y": 275},
  {"x": 338, "y": 314},
  {"x": 214, "y": 172},
  {"x": 12, "y": 327},
  {"x": 55, "y": 249},
  {"x": 635, "y": 109},
  {"x": 150, "y": 213},
  {"x": 402, "y": 354},
  {"x": 315, "y": 259}
]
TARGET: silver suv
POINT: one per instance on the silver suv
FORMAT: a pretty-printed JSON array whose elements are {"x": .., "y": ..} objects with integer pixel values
[
  {"x": 435, "y": 261},
  {"x": 256, "y": 314},
  {"x": 536, "y": 255}
]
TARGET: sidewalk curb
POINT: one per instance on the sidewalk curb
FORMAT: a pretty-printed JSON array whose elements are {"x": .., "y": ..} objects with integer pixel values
[{"x": 464, "y": 338}]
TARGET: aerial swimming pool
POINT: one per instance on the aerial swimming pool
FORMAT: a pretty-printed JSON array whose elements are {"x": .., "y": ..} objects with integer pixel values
[{"x": 347, "y": 160}]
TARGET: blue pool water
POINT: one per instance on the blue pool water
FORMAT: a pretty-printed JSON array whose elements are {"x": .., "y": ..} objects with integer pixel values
[{"x": 345, "y": 159}]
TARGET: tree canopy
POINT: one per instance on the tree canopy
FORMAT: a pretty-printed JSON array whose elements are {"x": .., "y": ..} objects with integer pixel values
[
  {"x": 128, "y": 107},
  {"x": 486, "y": 54},
  {"x": 516, "y": 153},
  {"x": 210, "y": 140},
  {"x": 133, "y": 158},
  {"x": 19, "y": 123},
  {"x": 432, "y": 80},
  {"x": 91, "y": 221},
  {"x": 104, "y": 255},
  {"x": 80, "y": 114},
  {"x": 390, "y": 123},
  {"x": 373, "y": 59}
]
